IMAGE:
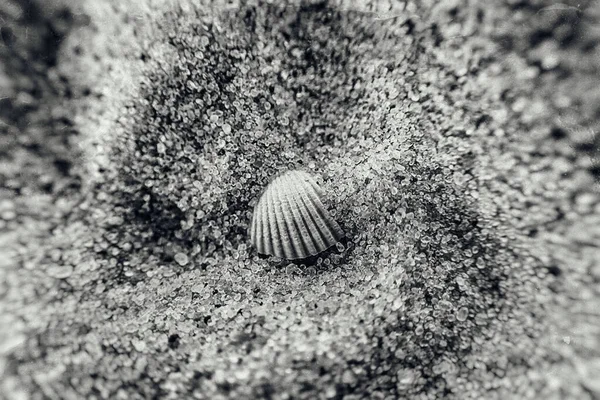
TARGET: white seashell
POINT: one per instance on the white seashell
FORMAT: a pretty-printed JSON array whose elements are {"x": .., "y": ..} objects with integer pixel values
[{"x": 290, "y": 220}]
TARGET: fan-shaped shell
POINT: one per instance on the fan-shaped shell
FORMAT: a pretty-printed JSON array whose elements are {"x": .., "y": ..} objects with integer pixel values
[{"x": 290, "y": 220}]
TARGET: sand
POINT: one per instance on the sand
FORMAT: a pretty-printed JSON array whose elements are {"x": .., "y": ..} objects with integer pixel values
[{"x": 457, "y": 144}]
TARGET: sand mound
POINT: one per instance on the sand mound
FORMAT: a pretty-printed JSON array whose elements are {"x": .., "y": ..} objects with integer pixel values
[{"x": 455, "y": 141}]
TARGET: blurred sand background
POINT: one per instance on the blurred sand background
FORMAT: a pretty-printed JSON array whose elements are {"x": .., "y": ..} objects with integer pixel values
[{"x": 457, "y": 141}]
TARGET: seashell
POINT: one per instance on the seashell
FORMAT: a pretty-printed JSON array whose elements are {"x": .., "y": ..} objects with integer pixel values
[{"x": 290, "y": 220}]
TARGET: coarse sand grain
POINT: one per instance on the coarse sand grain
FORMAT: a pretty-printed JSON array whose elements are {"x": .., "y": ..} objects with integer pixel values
[{"x": 457, "y": 142}]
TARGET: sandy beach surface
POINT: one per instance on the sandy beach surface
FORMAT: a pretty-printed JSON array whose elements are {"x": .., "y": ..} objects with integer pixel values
[{"x": 457, "y": 143}]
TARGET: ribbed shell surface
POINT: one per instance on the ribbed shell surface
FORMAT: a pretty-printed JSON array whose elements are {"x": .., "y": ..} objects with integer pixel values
[{"x": 290, "y": 220}]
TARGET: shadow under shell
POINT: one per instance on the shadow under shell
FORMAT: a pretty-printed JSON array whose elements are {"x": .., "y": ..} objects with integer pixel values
[{"x": 341, "y": 250}]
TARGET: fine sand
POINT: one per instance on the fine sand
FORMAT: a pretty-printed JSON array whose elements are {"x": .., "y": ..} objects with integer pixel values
[{"x": 457, "y": 143}]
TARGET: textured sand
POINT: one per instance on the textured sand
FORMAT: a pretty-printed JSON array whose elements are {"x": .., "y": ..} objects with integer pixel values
[{"x": 457, "y": 142}]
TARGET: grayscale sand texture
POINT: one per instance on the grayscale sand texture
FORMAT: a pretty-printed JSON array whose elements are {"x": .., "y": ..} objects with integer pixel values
[{"x": 457, "y": 142}]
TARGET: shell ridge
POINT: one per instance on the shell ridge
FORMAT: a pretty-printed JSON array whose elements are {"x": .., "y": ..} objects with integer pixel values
[
  {"x": 322, "y": 222},
  {"x": 301, "y": 248},
  {"x": 308, "y": 219},
  {"x": 272, "y": 245},
  {"x": 300, "y": 219},
  {"x": 332, "y": 225},
  {"x": 311, "y": 225},
  {"x": 315, "y": 233},
  {"x": 254, "y": 225},
  {"x": 284, "y": 234},
  {"x": 283, "y": 192}
]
